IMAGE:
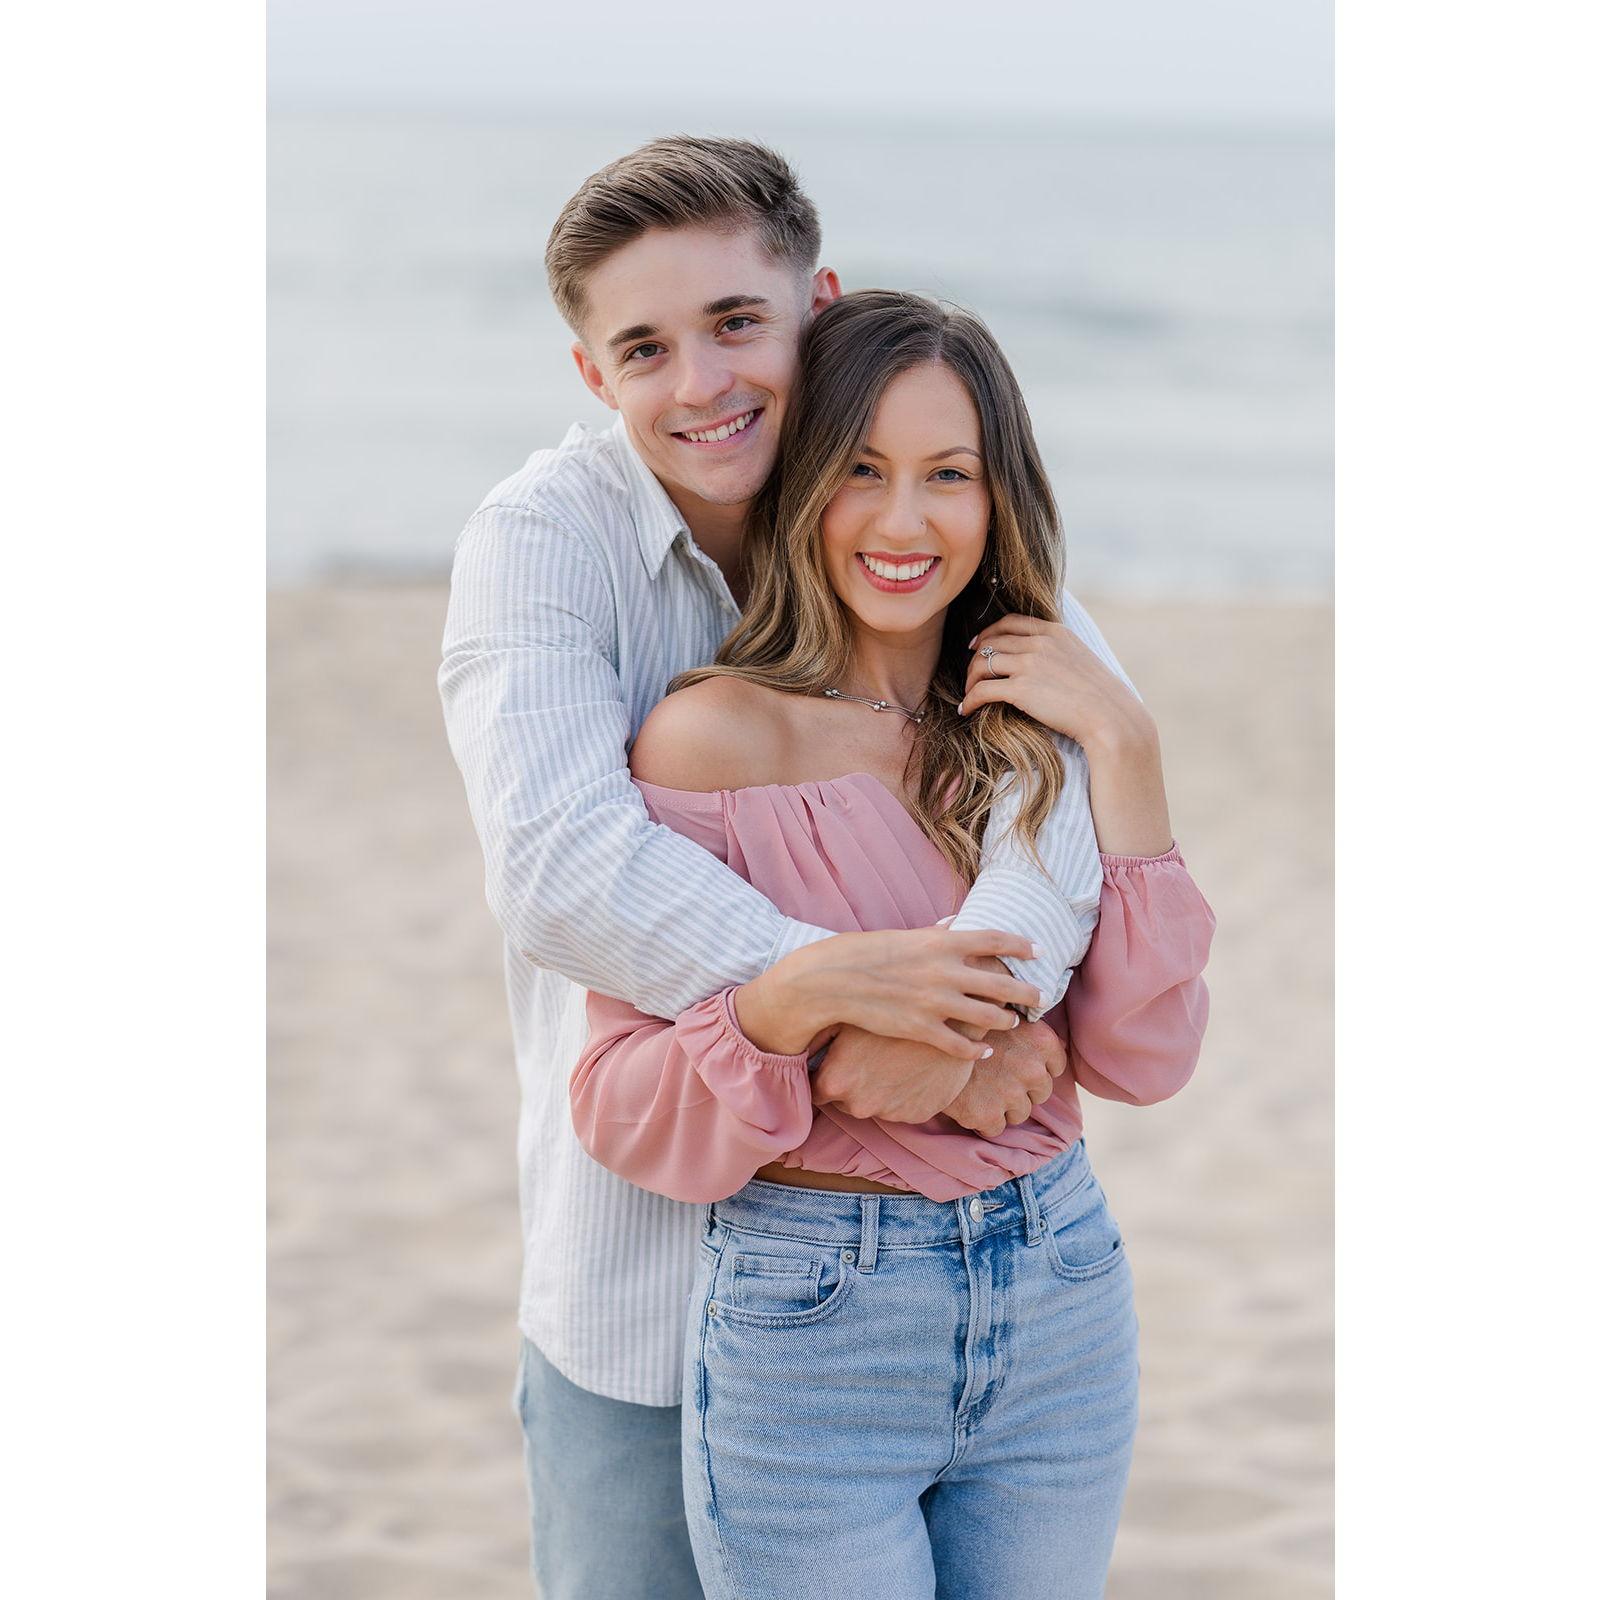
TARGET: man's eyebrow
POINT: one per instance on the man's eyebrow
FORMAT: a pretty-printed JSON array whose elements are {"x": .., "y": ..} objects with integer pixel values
[
  {"x": 954, "y": 450},
  {"x": 639, "y": 330},
  {"x": 732, "y": 302}
]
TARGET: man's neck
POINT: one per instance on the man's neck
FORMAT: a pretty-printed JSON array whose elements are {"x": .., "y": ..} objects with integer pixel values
[{"x": 719, "y": 531}]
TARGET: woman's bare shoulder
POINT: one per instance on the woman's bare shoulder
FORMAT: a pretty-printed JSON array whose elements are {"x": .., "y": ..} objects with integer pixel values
[{"x": 719, "y": 733}]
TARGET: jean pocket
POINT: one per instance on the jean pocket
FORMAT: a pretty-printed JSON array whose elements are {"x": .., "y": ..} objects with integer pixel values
[
  {"x": 775, "y": 1283},
  {"x": 1081, "y": 1237},
  {"x": 781, "y": 1288}
]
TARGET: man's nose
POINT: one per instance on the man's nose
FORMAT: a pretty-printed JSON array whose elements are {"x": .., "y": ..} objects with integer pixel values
[{"x": 703, "y": 375}]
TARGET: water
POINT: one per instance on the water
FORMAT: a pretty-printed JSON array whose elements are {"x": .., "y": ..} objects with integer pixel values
[{"x": 1164, "y": 293}]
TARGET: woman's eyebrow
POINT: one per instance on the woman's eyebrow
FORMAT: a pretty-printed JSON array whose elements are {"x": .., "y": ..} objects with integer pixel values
[{"x": 954, "y": 450}]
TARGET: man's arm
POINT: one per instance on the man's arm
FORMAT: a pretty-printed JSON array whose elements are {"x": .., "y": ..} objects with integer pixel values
[
  {"x": 579, "y": 877},
  {"x": 1057, "y": 909}
]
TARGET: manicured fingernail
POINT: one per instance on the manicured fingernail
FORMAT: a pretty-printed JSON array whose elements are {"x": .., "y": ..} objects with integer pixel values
[
  {"x": 1033, "y": 952},
  {"x": 972, "y": 641},
  {"x": 988, "y": 1050},
  {"x": 961, "y": 706}
]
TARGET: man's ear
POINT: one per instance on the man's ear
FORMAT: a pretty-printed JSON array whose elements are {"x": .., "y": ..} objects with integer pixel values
[
  {"x": 824, "y": 288},
  {"x": 594, "y": 379}
]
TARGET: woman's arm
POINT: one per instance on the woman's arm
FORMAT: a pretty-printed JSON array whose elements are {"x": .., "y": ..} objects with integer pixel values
[
  {"x": 689, "y": 1109},
  {"x": 1136, "y": 1009}
]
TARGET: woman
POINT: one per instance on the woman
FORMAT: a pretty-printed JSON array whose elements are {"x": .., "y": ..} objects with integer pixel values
[{"x": 912, "y": 1349}]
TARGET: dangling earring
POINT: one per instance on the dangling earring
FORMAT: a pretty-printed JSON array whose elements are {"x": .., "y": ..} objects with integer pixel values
[{"x": 990, "y": 572}]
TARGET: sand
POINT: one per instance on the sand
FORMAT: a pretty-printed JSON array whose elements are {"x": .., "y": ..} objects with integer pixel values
[{"x": 394, "y": 1460}]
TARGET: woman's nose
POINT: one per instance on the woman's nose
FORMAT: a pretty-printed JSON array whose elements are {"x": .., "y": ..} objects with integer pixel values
[{"x": 902, "y": 515}]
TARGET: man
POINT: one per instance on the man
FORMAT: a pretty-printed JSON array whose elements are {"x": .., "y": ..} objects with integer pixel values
[{"x": 687, "y": 271}]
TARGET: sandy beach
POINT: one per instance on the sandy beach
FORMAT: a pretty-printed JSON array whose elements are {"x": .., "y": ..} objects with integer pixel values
[{"x": 394, "y": 1458}]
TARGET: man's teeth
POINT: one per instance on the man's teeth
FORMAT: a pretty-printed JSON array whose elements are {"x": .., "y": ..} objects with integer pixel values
[
  {"x": 725, "y": 431},
  {"x": 898, "y": 574}
]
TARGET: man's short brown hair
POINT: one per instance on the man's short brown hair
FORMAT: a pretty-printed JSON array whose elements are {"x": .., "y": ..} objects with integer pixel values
[{"x": 679, "y": 182}]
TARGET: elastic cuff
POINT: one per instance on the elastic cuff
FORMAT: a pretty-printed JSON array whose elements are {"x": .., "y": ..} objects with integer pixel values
[
  {"x": 748, "y": 1051},
  {"x": 1169, "y": 854}
]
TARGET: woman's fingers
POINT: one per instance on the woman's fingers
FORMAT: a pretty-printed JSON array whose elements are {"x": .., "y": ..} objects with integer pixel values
[
  {"x": 981, "y": 1014},
  {"x": 1002, "y": 664},
  {"x": 957, "y": 1044},
  {"x": 986, "y": 691},
  {"x": 1004, "y": 988},
  {"x": 1014, "y": 623},
  {"x": 992, "y": 942}
]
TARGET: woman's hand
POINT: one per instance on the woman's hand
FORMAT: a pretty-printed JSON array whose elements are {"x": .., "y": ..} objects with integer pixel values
[
  {"x": 1045, "y": 669},
  {"x": 900, "y": 983}
]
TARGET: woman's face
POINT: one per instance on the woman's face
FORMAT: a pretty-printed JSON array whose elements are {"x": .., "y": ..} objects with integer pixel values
[{"x": 907, "y": 529}]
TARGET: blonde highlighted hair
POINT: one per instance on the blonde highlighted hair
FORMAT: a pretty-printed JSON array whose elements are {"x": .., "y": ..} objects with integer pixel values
[{"x": 795, "y": 634}]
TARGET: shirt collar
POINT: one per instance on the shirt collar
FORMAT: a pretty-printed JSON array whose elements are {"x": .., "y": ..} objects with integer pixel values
[{"x": 657, "y": 522}]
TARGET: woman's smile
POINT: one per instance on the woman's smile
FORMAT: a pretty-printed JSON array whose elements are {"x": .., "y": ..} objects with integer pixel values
[{"x": 902, "y": 575}]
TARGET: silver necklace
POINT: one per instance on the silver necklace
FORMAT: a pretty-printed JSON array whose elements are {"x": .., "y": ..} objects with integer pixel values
[{"x": 877, "y": 705}]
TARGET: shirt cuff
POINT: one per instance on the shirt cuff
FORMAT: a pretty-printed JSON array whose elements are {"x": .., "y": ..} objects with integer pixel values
[
  {"x": 746, "y": 1049},
  {"x": 794, "y": 936},
  {"x": 1021, "y": 902}
]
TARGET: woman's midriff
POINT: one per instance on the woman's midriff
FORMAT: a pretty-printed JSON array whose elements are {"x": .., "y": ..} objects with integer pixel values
[{"x": 798, "y": 1177}]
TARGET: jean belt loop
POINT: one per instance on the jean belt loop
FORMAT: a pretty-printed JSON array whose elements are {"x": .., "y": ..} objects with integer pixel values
[
  {"x": 1030, "y": 1208},
  {"x": 867, "y": 1258}
]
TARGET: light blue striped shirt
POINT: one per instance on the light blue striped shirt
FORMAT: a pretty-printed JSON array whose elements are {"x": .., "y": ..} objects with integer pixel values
[{"x": 577, "y": 595}]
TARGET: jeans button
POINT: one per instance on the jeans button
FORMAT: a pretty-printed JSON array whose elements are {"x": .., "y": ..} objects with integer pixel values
[{"x": 975, "y": 1209}]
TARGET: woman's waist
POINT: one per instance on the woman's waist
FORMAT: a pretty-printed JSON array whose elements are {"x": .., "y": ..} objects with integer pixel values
[
  {"x": 842, "y": 1182},
  {"x": 937, "y": 1160},
  {"x": 797, "y": 1206}
]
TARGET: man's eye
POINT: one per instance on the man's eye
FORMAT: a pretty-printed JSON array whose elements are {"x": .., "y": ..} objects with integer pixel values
[
  {"x": 643, "y": 352},
  {"x": 741, "y": 320}
]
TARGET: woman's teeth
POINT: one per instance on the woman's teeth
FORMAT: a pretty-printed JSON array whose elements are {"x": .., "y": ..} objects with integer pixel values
[
  {"x": 727, "y": 430},
  {"x": 898, "y": 574}
]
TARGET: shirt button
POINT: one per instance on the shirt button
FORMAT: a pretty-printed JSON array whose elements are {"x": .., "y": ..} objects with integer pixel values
[{"x": 975, "y": 1209}]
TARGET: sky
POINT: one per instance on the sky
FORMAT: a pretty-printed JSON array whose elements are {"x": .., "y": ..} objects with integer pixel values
[{"x": 1225, "y": 60}]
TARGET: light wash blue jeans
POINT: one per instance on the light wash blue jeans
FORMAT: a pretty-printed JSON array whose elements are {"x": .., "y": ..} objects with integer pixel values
[
  {"x": 605, "y": 1486},
  {"x": 900, "y": 1398}
]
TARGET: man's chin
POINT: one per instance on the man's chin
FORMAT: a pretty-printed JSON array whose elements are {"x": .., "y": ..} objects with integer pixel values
[{"x": 730, "y": 488}]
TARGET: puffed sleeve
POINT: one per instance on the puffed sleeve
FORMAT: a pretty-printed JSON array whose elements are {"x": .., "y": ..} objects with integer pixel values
[
  {"x": 689, "y": 1109},
  {"x": 1136, "y": 1010}
]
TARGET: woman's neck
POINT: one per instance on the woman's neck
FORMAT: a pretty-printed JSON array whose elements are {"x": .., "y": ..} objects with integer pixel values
[{"x": 897, "y": 667}]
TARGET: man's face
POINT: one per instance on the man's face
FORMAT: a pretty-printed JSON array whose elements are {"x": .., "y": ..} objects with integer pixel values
[{"x": 694, "y": 336}]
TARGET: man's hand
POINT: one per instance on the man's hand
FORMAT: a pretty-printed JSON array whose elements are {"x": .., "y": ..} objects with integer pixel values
[
  {"x": 1020, "y": 1075},
  {"x": 897, "y": 1080}
]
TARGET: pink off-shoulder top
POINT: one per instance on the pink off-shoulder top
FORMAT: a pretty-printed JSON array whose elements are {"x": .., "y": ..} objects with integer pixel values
[{"x": 690, "y": 1108}]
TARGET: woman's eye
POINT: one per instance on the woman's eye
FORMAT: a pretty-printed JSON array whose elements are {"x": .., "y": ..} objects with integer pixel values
[
  {"x": 862, "y": 468},
  {"x": 644, "y": 352},
  {"x": 951, "y": 475}
]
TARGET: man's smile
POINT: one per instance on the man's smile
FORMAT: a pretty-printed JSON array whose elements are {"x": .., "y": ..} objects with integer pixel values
[{"x": 731, "y": 430}]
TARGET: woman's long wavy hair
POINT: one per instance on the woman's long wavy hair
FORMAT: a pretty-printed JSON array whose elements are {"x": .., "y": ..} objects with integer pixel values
[{"x": 796, "y": 635}]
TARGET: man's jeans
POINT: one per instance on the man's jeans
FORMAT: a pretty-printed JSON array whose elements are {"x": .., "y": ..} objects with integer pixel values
[
  {"x": 605, "y": 1480},
  {"x": 892, "y": 1396}
]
